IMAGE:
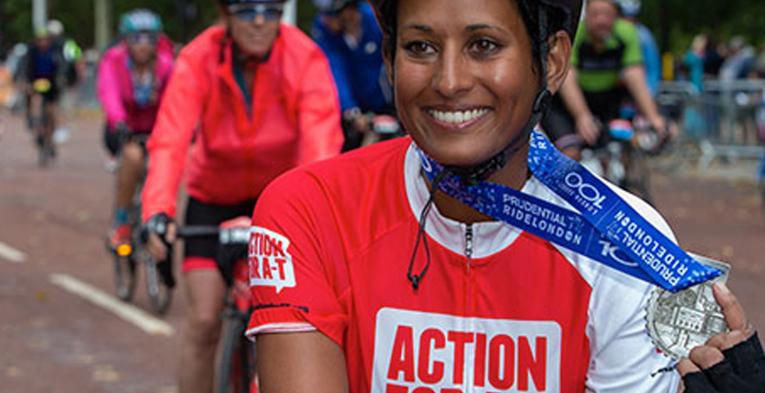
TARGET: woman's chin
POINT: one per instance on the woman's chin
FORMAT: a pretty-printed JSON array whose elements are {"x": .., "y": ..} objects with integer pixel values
[{"x": 458, "y": 155}]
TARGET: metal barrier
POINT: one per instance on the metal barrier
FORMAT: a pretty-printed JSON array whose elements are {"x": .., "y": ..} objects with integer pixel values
[{"x": 726, "y": 120}]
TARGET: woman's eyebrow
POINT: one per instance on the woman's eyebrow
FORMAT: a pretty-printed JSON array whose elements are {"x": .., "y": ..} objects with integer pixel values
[
  {"x": 423, "y": 28},
  {"x": 482, "y": 26}
]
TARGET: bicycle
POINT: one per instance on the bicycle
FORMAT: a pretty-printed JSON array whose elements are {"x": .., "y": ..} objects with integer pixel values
[
  {"x": 621, "y": 154},
  {"x": 159, "y": 276},
  {"x": 379, "y": 128},
  {"x": 41, "y": 122},
  {"x": 235, "y": 368}
]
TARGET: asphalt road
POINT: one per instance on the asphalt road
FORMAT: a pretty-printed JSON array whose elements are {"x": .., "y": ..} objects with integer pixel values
[{"x": 52, "y": 229}]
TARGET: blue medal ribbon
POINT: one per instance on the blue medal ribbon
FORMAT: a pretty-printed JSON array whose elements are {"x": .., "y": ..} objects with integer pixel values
[{"x": 605, "y": 228}]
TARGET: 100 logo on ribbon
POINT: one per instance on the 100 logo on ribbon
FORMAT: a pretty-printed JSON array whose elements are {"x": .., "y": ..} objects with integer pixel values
[{"x": 586, "y": 191}]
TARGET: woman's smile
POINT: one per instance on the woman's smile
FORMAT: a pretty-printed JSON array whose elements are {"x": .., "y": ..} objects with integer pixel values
[{"x": 458, "y": 119}]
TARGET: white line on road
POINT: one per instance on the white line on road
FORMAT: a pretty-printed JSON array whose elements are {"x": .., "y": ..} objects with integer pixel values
[
  {"x": 129, "y": 313},
  {"x": 11, "y": 254}
]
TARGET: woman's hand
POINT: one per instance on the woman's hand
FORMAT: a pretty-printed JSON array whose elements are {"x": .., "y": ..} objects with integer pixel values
[
  {"x": 162, "y": 231},
  {"x": 731, "y": 362}
]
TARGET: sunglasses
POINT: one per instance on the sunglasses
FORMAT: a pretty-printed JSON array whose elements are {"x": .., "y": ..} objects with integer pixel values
[
  {"x": 142, "y": 38},
  {"x": 250, "y": 12}
]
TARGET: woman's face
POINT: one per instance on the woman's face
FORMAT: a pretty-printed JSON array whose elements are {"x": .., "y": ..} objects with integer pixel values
[
  {"x": 254, "y": 34},
  {"x": 142, "y": 47},
  {"x": 464, "y": 76}
]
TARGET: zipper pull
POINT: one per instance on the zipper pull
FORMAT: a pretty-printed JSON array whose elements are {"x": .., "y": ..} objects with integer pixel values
[{"x": 469, "y": 241}]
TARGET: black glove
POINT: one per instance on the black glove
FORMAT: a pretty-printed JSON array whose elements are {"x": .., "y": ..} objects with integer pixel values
[
  {"x": 157, "y": 225},
  {"x": 742, "y": 371},
  {"x": 123, "y": 132}
]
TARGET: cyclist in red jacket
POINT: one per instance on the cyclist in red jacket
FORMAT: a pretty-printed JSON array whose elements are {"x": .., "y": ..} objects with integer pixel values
[{"x": 256, "y": 98}]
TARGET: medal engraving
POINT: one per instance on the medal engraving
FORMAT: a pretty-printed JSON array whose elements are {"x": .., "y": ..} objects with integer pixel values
[{"x": 677, "y": 322}]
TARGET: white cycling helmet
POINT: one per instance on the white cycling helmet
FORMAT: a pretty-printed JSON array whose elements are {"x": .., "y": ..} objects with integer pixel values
[
  {"x": 629, "y": 8},
  {"x": 55, "y": 27}
]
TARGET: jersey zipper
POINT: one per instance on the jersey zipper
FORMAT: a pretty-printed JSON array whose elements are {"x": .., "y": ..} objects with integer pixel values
[
  {"x": 469, "y": 242},
  {"x": 468, "y": 312}
]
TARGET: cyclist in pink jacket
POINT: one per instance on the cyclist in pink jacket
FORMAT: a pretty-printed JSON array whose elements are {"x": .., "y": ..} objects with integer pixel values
[{"x": 132, "y": 77}]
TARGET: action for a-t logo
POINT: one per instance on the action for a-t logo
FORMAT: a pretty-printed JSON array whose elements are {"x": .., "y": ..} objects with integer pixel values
[
  {"x": 269, "y": 260},
  {"x": 418, "y": 352}
]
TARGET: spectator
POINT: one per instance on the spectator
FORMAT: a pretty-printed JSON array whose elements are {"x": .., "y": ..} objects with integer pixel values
[
  {"x": 713, "y": 57},
  {"x": 740, "y": 61},
  {"x": 694, "y": 61}
]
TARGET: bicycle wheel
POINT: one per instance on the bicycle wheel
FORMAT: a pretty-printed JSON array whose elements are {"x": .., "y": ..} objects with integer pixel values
[
  {"x": 124, "y": 277},
  {"x": 45, "y": 152},
  {"x": 160, "y": 295},
  {"x": 236, "y": 365}
]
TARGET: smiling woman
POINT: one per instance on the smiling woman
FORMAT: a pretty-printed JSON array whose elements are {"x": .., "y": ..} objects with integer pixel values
[
  {"x": 465, "y": 80},
  {"x": 396, "y": 277}
]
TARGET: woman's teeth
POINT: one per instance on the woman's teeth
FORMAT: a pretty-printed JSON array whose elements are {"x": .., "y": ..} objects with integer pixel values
[{"x": 458, "y": 117}]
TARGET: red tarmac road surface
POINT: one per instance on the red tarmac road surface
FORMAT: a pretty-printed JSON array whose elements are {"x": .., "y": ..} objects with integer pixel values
[{"x": 54, "y": 341}]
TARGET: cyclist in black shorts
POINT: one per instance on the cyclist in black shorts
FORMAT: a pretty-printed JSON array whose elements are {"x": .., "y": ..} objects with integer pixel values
[{"x": 42, "y": 71}]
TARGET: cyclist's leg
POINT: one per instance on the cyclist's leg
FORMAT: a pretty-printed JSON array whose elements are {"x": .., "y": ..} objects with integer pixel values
[
  {"x": 206, "y": 293},
  {"x": 111, "y": 141},
  {"x": 560, "y": 127},
  {"x": 120, "y": 232},
  {"x": 35, "y": 114},
  {"x": 129, "y": 173},
  {"x": 50, "y": 109}
]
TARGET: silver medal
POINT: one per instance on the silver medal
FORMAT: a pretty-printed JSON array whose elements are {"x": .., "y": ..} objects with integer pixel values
[{"x": 677, "y": 322}]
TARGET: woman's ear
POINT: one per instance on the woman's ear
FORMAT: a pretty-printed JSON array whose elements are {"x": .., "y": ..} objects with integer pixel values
[{"x": 558, "y": 60}]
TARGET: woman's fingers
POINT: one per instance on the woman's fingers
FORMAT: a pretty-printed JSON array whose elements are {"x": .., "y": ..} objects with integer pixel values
[
  {"x": 705, "y": 356},
  {"x": 731, "y": 308},
  {"x": 727, "y": 340},
  {"x": 685, "y": 367}
]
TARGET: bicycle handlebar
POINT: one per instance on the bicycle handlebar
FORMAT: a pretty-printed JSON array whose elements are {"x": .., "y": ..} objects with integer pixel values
[
  {"x": 226, "y": 236},
  {"x": 197, "y": 231}
]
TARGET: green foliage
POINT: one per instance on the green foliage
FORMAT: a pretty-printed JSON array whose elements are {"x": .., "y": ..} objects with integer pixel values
[
  {"x": 684, "y": 18},
  {"x": 716, "y": 18}
]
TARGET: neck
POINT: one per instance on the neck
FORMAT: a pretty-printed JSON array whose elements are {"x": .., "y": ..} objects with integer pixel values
[{"x": 514, "y": 175}]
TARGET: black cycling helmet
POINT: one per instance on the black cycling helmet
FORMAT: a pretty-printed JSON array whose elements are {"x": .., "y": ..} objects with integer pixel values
[{"x": 572, "y": 9}]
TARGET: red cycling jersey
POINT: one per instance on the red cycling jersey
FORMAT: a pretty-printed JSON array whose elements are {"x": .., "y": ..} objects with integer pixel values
[
  {"x": 294, "y": 119},
  {"x": 498, "y": 310}
]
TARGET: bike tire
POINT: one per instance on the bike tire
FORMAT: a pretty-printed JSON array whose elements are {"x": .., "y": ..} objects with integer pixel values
[
  {"x": 160, "y": 295},
  {"x": 235, "y": 369},
  {"x": 43, "y": 153},
  {"x": 124, "y": 277}
]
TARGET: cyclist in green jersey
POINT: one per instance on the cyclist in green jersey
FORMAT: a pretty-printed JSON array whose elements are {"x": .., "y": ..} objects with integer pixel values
[{"x": 607, "y": 71}]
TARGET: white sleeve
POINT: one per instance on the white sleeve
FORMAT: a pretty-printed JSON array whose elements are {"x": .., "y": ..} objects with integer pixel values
[{"x": 622, "y": 357}]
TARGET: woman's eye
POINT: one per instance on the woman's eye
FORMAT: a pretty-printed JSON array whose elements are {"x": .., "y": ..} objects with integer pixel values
[
  {"x": 484, "y": 47},
  {"x": 419, "y": 48}
]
